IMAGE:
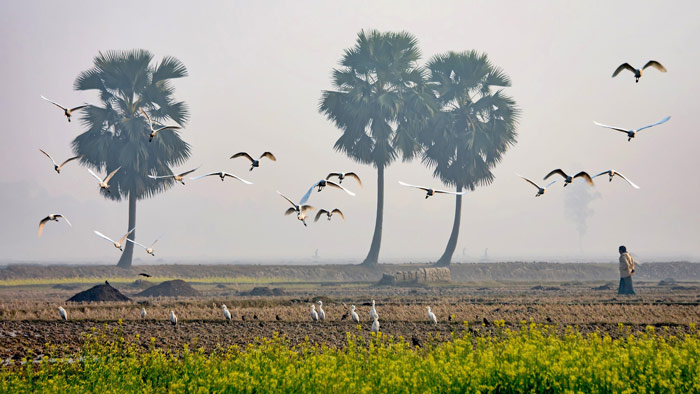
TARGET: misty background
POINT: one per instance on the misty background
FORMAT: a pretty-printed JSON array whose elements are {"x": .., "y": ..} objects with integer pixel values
[{"x": 256, "y": 72}]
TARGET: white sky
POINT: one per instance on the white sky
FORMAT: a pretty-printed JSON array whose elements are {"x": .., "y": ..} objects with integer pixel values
[{"x": 256, "y": 74}]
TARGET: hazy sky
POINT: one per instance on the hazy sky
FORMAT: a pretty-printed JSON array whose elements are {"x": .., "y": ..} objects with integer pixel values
[{"x": 257, "y": 70}]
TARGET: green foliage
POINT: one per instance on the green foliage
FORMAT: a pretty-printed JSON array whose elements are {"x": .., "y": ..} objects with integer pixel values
[
  {"x": 532, "y": 359},
  {"x": 117, "y": 133}
]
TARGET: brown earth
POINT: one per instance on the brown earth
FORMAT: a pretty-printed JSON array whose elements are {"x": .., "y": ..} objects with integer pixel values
[
  {"x": 99, "y": 293},
  {"x": 171, "y": 288}
]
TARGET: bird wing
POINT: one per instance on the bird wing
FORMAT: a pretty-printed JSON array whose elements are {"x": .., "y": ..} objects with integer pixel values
[
  {"x": 126, "y": 235},
  {"x": 318, "y": 215},
  {"x": 269, "y": 155},
  {"x": 611, "y": 127},
  {"x": 54, "y": 103},
  {"x": 64, "y": 218},
  {"x": 354, "y": 176},
  {"x": 243, "y": 154},
  {"x": 530, "y": 182},
  {"x": 333, "y": 184},
  {"x": 95, "y": 175},
  {"x": 602, "y": 173},
  {"x": 623, "y": 66},
  {"x": 306, "y": 195},
  {"x": 42, "y": 223},
  {"x": 290, "y": 211},
  {"x": 332, "y": 174},
  {"x": 145, "y": 275},
  {"x": 305, "y": 208},
  {"x": 157, "y": 239},
  {"x": 111, "y": 174},
  {"x": 557, "y": 171},
  {"x": 205, "y": 175},
  {"x": 49, "y": 156},
  {"x": 166, "y": 128},
  {"x": 628, "y": 181},
  {"x": 450, "y": 192},
  {"x": 664, "y": 120},
  {"x": 339, "y": 212},
  {"x": 285, "y": 197},
  {"x": 69, "y": 160},
  {"x": 550, "y": 184},
  {"x": 78, "y": 108},
  {"x": 236, "y": 177},
  {"x": 148, "y": 118},
  {"x": 188, "y": 172},
  {"x": 584, "y": 175},
  {"x": 160, "y": 176},
  {"x": 136, "y": 243},
  {"x": 104, "y": 236},
  {"x": 655, "y": 64},
  {"x": 417, "y": 187}
]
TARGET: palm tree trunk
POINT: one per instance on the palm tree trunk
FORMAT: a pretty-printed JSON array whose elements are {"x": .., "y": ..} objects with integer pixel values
[
  {"x": 446, "y": 258},
  {"x": 372, "y": 259},
  {"x": 128, "y": 253}
]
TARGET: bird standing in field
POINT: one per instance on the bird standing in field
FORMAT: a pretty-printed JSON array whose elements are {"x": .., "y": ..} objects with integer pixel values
[
  {"x": 355, "y": 316},
  {"x": 62, "y": 312},
  {"x": 373, "y": 312},
  {"x": 320, "y": 185},
  {"x": 375, "y": 325},
  {"x": 52, "y": 217},
  {"x": 321, "y": 312},
  {"x": 117, "y": 244},
  {"x": 342, "y": 175},
  {"x": 329, "y": 214},
  {"x": 148, "y": 249},
  {"x": 299, "y": 209},
  {"x": 253, "y": 162},
  {"x": 173, "y": 318},
  {"x": 104, "y": 183},
  {"x": 154, "y": 132},
  {"x": 143, "y": 313},
  {"x": 222, "y": 175},
  {"x": 431, "y": 316},
  {"x": 540, "y": 189},
  {"x": 314, "y": 315},
  {"x": 56, "y": 166},
  {"x": 177, "y": 177},
  {"x": 227, "y": 314},
  {"x": 568, "y": 179},
  {"x": 631, "y": 133},
  {"x": 613, "y": 173},
  {"x": 431, "y": 192},
  {"x": 638, "y": 72},
  {"x": 66, "y": 111}
]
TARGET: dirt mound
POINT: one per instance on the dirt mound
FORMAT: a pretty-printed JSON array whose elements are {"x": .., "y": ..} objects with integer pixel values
[
  {"x": 606, "y": 286},
  {"x": 171, "y": 288},
  {"x": 540, "y": 287},
  {"x": 667, "y": 282},
  {"x": 264, "y": 292},
  {"x": 99, "y": 293}
]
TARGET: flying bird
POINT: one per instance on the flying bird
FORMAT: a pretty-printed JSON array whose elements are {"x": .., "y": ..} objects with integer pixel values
[
  {"x": 156, "y": 131},
  {"x": 52, "y": 217},
  {"x": 355, "y": 316},
  {"x": 540, "y": 189},
  {"x": 343, "y": 175},
  {"x": 117, "y": 244},
  {"x": 178, "y": 178},
  {"x": 568, "y": 179},
  {"x": 57, "y": 167},
  {"x": 431, "y": 192},
  {"x": 104, "y": 183},
  {"x": 314, "y": 315},
  {"x": 612, "y": 173},
  {"x": 149, "y": 249},
  {"x": 222, "y": 175},
  {"x": 253, "y": 162},
  {"x": 431, "y": 316},
  {"x": 66, "y": 111},
  {"x": 631, "y": 133},
  {"x": 329, "y": 214},
  {"x": 299, "y": 209},
  {"x": 321, "y": 312},
  {"x": 320, "y": 185},
  {"x": 62, "y": 312},
  {"x": 173, "y": 318},
  {"x": 375, "y": 325},
  {"x": 637, "y": 72},
  {"x": 145, "y": 275},
  {"x": 143, "y": 313}
]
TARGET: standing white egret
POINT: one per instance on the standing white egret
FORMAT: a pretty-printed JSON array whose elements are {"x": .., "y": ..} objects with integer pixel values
[
  {"x": 431, "y": 316},
  {"x": 156, "y": 131},
  {"x": 143, "y": 313},
  {"x": 375, "y": 325},
  {"x": 117, "y": 244},
  {"x": 66, "y": 111},
  {"x": 321, "y": 312},
  {"x": 431, "y": 192},
  {"x": 314, "y": 315},
  {"x": 52, "y": 217},
  {"x": 540, "y": 189},
  {"x": 638, "y": 72},
  {"x": 56, "y": 166},
  {"x": 63, "y": 313},
  {"x": 253, "y": 162},
  {"x": 631, "y": 133},
  {"x": 354, "y": 314},
  {"x": 373, "y": 312},
  {"x": 104, "y": 183},
  {"x": 320, "y": 185},
  {"x": 612, "y": 173},
  {"x": 173, "y": 318},
  {"x": 227, "y": 314}
]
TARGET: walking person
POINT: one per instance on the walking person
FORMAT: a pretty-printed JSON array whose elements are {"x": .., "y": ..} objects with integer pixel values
[{"x": 626, "y": 272}]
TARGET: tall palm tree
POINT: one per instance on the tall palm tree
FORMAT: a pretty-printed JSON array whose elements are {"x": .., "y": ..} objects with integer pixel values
[
  {"x": 378, "y": 95},
  {"x": 473, "y": 128},
  {"x": 117, "y": 135}
]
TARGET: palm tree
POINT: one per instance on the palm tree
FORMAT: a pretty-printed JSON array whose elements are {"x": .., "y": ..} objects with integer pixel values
[
  {"x": 473, "y": 128},
  {"x": 117, "y": 133},
  {"x": 379, "y": 91}
]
